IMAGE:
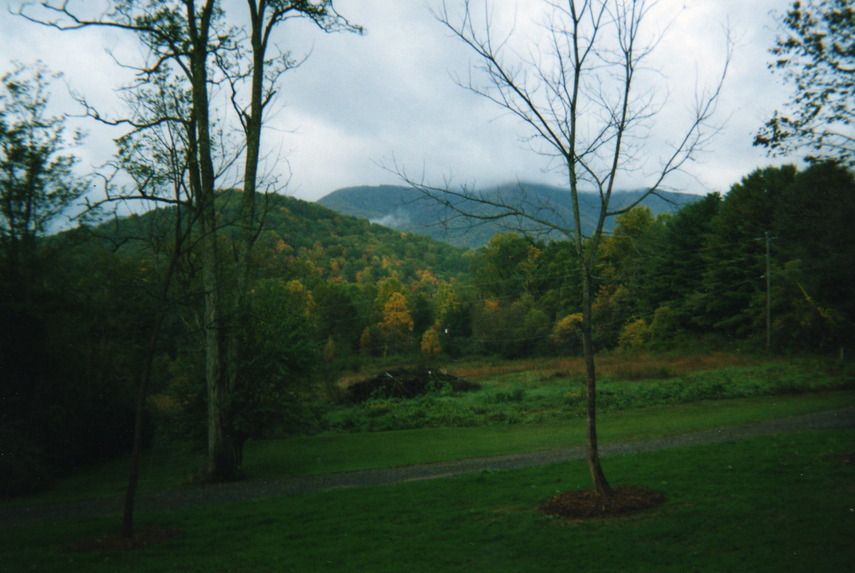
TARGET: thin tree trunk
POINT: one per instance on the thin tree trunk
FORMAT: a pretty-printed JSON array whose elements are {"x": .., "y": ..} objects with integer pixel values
[
  {"x": 595, "y": 469},
  {"x": 246, "y": 237},
  {"x": 145, "y": 381},
  {"x": 136, "y": 452}
]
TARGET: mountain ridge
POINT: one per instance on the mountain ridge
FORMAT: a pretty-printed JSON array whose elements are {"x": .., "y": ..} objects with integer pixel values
[{"x": 407, "y": 209}]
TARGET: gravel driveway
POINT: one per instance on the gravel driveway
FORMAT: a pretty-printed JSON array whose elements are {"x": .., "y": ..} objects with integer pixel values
[{"x": 242, "y": 491}]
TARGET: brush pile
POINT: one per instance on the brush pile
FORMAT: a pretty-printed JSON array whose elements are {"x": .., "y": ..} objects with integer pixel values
[{"x": 407, "y": 383}]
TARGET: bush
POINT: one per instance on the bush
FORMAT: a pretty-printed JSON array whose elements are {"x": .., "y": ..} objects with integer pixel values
[{"x": 634, "y": 335}]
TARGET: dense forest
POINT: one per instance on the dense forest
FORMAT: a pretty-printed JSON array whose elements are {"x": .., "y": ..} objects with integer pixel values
[{"x": 330, "y": 292}]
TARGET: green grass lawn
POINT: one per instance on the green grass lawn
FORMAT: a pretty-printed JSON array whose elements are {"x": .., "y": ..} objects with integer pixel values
[
  {"x": 773, "y": 503},
  {"x": 172, "y": 467},
  {"x": 523, "y": 406}
]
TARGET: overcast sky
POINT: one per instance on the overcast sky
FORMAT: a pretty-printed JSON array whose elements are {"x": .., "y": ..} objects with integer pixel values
[{"x": 360, "y": 102}]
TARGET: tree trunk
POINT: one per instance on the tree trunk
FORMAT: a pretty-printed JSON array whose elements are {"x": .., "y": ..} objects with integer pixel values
[
  {"x": 598, "y": 477},
  {"x": 222, "y": 463},
  {"x": 239, "y": 315},
  {"x": 136, "y": 451},
  {"x": 145, "y": 380}
]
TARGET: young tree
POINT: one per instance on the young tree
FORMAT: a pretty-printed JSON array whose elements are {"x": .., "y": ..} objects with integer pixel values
[
  {"x": 430, "y": 345},
  {"x": 397, "y": 324},
  {"x": 581, "y": 96},
  {"x": 155, "y": 157},
  {"x": 816, "y": 54}
]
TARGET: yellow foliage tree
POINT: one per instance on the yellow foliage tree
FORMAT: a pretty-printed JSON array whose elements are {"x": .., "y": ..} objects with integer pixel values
[
  {"x": 301, "y": 297},
  {"x": 430, "y": 345},
  {"x": 634, "y": 334},
  {"x": 567, "y": 333},
  {"x": 329, "y": 352},
  {"x": 397, "y": 322}
]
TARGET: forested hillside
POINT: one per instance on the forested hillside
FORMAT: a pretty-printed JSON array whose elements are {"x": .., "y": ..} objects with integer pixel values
[
  {"x": 407, "y": 209},
  {"x": 325, "y": 243}
]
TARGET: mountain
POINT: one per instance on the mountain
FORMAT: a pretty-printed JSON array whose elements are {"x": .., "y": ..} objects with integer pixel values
[
  {"x": 329, "y": 244},
  {"x": 406, "y": 209}
]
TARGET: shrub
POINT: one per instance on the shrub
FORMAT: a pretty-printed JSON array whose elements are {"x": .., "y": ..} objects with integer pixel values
[
  {"x": 517, "y": 395},
  {"x": 567, "y": 334},
  {"x": 634, "y": 334}
]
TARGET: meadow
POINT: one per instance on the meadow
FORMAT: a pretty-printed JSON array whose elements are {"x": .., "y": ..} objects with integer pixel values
[
  {"x": 544, "y": 391},
  {"x": 770, "y": 503}
]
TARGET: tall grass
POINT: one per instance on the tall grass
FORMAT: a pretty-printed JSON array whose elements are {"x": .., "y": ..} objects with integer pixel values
[
  {"x": 535, "y": 404},
  {"x": 536, "y": 392},
  {"x": 618, "y": 365}
]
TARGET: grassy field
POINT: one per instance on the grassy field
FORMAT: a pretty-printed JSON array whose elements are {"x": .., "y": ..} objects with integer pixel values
[
  {"x": 543, "y": 391},
  {"x": 523, "y": 406},
  {"x": 173, "y": 466},
  {"x": 774, "y": 503}
]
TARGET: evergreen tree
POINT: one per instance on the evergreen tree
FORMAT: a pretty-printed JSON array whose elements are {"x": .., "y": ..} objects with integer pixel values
[
  {"x": 815, "y": 249},
  {"x": 731, "y": 299}
]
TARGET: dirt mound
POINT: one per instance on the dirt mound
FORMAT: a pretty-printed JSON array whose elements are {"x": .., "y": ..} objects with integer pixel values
[
  {"x": 586, "y": 504},
  {"x": 407, "y": 383}
]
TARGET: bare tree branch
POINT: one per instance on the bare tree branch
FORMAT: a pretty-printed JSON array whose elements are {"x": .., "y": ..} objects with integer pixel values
[{"x": 580, "y": 96}]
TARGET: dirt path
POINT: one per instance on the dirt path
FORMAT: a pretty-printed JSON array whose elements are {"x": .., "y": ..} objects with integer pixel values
[{"x": 218, "y": 494}]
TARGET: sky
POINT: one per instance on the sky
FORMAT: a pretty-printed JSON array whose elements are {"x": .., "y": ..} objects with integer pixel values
[{"x": 361, "y": 104}]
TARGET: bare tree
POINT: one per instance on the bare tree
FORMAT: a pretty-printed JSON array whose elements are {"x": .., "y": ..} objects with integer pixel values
[{"x": 579, "y": 95}]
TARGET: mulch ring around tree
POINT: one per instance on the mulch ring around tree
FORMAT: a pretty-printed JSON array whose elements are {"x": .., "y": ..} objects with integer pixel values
[
  {"x": 407, "y": 383},
  {"x": 115, "y": 542},
  {"x": 586, "y": 504}
]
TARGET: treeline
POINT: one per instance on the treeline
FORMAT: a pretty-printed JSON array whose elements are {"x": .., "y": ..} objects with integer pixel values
[
  {"x": 770, "y": 262},
  {"x": 695, "y": 278}
]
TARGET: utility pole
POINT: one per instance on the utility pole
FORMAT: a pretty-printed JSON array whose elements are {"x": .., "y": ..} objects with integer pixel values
[{"x": 768, "y": 298}]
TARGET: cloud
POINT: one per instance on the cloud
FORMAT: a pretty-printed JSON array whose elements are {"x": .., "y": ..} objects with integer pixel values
[
  {"x": 392, "y": 220},
  {"x": 361, "y": 102}
]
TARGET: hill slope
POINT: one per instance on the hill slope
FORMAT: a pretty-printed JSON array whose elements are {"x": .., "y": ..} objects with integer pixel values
[
  {"x": 328, "y": 243},
  {"x": 405, "y": 209}
]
